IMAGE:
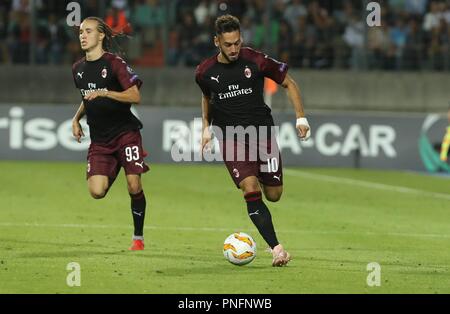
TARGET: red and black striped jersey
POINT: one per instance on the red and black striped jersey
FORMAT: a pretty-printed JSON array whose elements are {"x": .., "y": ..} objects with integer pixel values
[
  {"x": 106, "y": 117},
  {"x": 236, "y": 89}
]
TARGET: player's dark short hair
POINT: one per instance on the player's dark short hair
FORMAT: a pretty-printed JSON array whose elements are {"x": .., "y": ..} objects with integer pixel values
[{"x": 227, "y": 24}]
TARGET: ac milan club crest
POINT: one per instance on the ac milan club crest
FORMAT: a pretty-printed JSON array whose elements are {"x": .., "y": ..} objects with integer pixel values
[
  {"x": 104, "y": 73},
  {"x": 247, "y": 72}
]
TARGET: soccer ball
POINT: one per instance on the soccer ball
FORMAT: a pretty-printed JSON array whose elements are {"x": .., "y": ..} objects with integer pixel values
[{"x": 239, "y": 248}]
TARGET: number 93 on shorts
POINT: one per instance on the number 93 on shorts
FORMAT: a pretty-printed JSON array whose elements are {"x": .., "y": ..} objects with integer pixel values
[{"x": 124, "y": 151}]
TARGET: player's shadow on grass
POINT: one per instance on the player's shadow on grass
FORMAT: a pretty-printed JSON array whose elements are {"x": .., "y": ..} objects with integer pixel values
[
  {"x": 197, "y": 265},
  {"x": 218, "y": 269}
]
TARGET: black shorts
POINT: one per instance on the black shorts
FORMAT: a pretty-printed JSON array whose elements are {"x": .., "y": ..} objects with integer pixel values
[
  {"x": 123, "y": 151},
  {"x": 261, "y": 159}
]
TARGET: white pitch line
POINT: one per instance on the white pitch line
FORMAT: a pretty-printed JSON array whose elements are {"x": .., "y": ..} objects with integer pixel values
[
  {"x": 210, "y": 229},
  {"x": 366, "y": 184}
]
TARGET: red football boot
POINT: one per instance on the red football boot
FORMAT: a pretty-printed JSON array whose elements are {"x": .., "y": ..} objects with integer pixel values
[{"x": 138, "y": 245}]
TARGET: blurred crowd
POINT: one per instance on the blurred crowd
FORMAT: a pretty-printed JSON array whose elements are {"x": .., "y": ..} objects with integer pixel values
[{"x": 316, "y": 34}]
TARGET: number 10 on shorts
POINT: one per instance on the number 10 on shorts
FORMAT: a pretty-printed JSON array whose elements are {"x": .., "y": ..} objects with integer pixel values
[
  {"x": 132, "y": 153},
  {"x": 272, "y": 165}
]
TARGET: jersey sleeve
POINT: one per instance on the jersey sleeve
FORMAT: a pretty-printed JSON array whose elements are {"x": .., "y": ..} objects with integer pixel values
[
  {"x": 125, "y": 74},
  {"x": 272, "y": 68},
  {"x": 201, "y": 83}
]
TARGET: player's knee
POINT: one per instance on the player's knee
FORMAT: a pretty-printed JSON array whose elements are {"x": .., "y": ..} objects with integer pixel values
[
  {"x": 134, "y": 187},
  {"x": 274, "y": 196},
  {"x": 98, "y": 194},
  {"x": 250, "y": 187},
  {"x": 98, "y": 188}
]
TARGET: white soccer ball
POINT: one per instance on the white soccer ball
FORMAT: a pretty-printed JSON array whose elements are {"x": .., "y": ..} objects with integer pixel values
[{"x": 239, "y": 248}]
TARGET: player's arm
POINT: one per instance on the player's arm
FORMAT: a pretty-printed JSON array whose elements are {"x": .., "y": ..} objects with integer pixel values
[
  {"x": 77, "y": 130},
  {"x": 294, "y": 95},
  {"x": 206, "y": 134},
  {"x": 131, "y": 95}
]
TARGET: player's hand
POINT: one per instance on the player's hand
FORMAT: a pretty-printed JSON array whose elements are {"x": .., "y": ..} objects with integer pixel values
[
  {"x": 95, "y": 94},
  {"x": 77, "y": 131},
  {"x": 206, "y": 141},
  {"x": 303, "y": 128}
]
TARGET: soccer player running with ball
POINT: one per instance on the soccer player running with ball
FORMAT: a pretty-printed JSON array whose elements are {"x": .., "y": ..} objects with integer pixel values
[
  {"x": 108, "y": 87},
  {"x": 232, "y": 84}
]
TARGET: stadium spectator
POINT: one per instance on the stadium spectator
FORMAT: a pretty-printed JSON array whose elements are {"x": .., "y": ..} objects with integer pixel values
[
  {"x": 416, "y": 7},
  {"x": 42, "y": 44},
  {"x": 206, "y": 9},
  {"x": 173, "y": 48},
  {"x": 378, "y": 47},
  {"x": 116, "y": 17},
  {"x": 321, "y": 56},
  {"x": 58, "y": 39},
  {"x": 19, "y": 37},
  {"x": 432, "y": 18},
  {"x": 188, "y": 36},
  {"x": 285, "y": 42},
  {"x": 294, "y": 10},
  {"x": 255, "y": 10},
  {"x": 397, "y": 36},
  {"x": 73, "y": 51},
  {"x": 205, "y": 47},
  {"x": 438, "y": 51},
  {"x": 300, "y": 43},
  {"x": 323, "y": 33},
  {"x": 447, "y": 13},
  {"x": 4, "y": 56},
  {"x": 354, "y": 37},
  {"x": 412, "y": 58},
  {"x": 247, "y": 30},
  {"x": 266, "y": 33},
  {"x": 51, "y": 41},
  {"x": 148, "y": 18},
  {"x": 396, "y": 5},
  {"x": 89, "y": 8},
  {"x": 20, "y": 6}
]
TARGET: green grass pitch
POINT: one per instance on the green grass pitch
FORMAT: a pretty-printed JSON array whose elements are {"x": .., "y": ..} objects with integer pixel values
[{"x": 333, "y": 221}]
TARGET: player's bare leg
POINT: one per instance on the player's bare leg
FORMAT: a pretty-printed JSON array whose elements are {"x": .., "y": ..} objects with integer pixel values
[
  {"x": 250, "y": 184},
  {"x": 134, "y": 183},
  {"x": 98, "y": 186},
  {"x": 138, "y": 204}
]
